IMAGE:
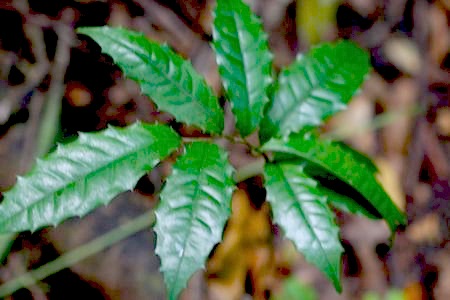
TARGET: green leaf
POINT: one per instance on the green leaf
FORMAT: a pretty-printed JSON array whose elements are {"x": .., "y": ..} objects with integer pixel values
[
  {"x": 348, "y": 166},
  {"x": 314, "y": 87},
  {"x": 245, "y": 62},
  {"x": 346, "y": 204},
  {"x": 195, "y": 204},
  {"x": 80, "y": 176},
  {"x": 303, "y": 214},
  {"x": 169, "y": 80},
  {"x": 341, "y": 195}
]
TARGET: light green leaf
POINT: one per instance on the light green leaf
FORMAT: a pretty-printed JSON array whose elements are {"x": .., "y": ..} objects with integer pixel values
[
  {"x": 169, "y": 80},
  {"x": 80, "y": 176},
  {"x": 304, "y": 215},
  {"x": 314, "y": 87},
  {"x": 348, "y": 166},
  {"x": 245, "y": 62},
  {"x": 195, "y": 204}
]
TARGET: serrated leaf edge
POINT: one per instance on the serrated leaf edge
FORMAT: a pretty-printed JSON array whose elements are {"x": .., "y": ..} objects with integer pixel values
[
  {"x": 184, "y": 64},
  {"x": 229, "y": 171},
  {"x": 40, "y": 163},
  {"x": 324, "y": 202},
  {"x": 268, "y": 57}
]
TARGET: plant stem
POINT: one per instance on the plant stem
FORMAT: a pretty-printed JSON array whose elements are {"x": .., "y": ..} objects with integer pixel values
[
  {"x": 78, "y": 254},
  {"x": 248, "y": 171}
]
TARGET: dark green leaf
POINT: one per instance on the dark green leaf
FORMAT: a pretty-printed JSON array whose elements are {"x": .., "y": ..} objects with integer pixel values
[
  {"x": 341, "y": 195},
  {"x": 349, "y": 166},
  {"x": 84, "y": 174},
  {"x": 304, "y": 215},
  {"x": 171, "y": 82},
  {"x": 346, "y": 204},
  {"x": 195, "y": 204},
  {"x": 314, "y": 87},
  {"x": 245, "y": 62}
]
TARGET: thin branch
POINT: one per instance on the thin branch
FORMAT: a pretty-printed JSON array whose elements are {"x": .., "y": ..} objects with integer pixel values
[
  {"x": 68, "y": 259},
  {"x": 52, "y": 108},
  {"x": 250, "y": 170}
]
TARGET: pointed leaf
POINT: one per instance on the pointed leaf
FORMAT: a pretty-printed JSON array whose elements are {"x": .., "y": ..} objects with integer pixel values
[
  {"x": 346, "y": 165},
  {"x": 303, "y": 214},
  {"x": 84, "y": 174},
  {"x": 172, "y": 83},
  {"x": 314, "y": 87},
  {"x": 195, "y": 204},
  {"x": 245, "y": 62}
]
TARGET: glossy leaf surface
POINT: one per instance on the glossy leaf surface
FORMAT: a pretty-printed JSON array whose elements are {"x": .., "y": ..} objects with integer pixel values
[
  {"x": 169, "y": 80},
  {"x": 80, "y": 176},
  {"x": 304, "y": 215},
  {"x": 339, "y": 194},
  {"x": 195, "y": 204},
  {"x": 314, "y": 87},
  {"x": 245, "y": 62},
  {"x": 347, "y": 204},
  {"x": 349, "y": 166}
]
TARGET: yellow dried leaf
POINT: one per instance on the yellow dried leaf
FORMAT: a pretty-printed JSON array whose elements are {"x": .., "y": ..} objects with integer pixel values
[{"x": 390, "y": 180}]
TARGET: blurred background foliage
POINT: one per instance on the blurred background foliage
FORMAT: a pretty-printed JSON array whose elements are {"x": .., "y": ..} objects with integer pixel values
[{"x": 54, "y": 83}]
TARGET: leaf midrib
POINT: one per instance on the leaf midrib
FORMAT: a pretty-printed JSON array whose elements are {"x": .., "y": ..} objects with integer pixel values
[
  {"x": 362, "y": 188},
  {"x": 81, "y": 177},
  {"x": 194, "y": 205},
  {"x": 148, "y": 62},
  {"x": 321, "y": 80},
  {"x": 244, "y": 61},
  {"x": 290, "y": 190}
]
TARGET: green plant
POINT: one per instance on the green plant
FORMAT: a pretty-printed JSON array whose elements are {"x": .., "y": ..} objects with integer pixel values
[{"x": 301, "y": 169}]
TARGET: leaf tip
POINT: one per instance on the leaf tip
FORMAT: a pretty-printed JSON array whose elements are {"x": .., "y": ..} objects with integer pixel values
[
  {"x": 20, "y": 179},
  {"x": 58, "y": 147},
  {"x": 40, "y": 162},
  {"x": 130, "y": 187},
  {"x": 33, "y": 228}
]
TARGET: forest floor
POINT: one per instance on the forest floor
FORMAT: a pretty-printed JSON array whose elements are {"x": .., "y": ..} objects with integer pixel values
[{"x": 401, "y": 118}]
